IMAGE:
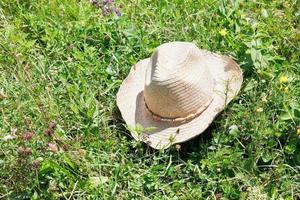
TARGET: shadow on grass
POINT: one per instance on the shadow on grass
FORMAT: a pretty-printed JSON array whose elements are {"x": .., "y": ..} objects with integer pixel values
[{"x": 196, "y": 147}]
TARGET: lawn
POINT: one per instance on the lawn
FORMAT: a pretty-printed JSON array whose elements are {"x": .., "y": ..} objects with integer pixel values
[{"x": 62, "y": 135}]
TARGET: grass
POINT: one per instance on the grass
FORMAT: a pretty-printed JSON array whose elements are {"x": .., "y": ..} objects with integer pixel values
[{"x": 62, "y": 136}]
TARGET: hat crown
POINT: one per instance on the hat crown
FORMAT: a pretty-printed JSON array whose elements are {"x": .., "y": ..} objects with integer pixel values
[{"x": 178, "y": 83}]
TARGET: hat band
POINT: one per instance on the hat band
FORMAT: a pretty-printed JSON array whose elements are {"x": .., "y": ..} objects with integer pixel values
[{"x": 178, "y": 119}]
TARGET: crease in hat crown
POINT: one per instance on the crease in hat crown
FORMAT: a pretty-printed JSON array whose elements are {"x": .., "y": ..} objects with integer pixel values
[{"x": 178, "y": 83}]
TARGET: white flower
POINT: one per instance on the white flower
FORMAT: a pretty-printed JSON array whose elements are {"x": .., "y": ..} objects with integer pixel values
[
  {"x": 233, "y": 129},
  {"x": 8, "y": 137},
  {"x": 97, "y": 180}
]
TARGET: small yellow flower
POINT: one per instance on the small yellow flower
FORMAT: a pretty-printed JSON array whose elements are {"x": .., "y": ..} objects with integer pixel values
[
  {"x": 259, "y": 110},
  {"x": 283, "y": 79},
  {"x": 223, "y": 32},
  {"x": 286, "y": 89},
  {"x": 298, "y": 131}
]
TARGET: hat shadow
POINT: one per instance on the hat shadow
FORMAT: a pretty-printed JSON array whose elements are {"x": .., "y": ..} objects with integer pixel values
[
  {"x": 141, "y": 112},
  {"x": 196, "y": 144},
  {"x": 191, "y": 145}
]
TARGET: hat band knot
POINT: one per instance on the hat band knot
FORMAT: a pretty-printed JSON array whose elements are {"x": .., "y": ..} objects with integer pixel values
[{"x": 178, "y": 119}]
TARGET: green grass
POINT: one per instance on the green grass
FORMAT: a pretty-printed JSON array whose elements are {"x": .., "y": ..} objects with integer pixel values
[{"x": 62, "y": 61}]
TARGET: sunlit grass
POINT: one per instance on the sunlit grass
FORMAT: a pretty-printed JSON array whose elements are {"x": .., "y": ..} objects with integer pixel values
[{"x": 62, "y": 136}]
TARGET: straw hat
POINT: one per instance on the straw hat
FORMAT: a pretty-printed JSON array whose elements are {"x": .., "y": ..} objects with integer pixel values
[{"x": 176, "y": 94}]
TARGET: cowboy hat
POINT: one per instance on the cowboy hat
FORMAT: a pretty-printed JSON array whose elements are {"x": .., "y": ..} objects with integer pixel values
[{"x": 176, "y": 93}]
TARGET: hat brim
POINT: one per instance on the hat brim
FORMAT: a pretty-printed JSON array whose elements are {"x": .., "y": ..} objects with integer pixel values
[{"x": 227, "y": 77}]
